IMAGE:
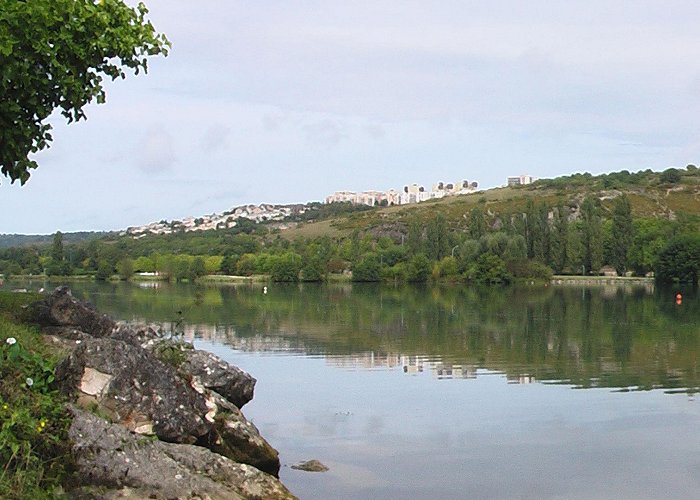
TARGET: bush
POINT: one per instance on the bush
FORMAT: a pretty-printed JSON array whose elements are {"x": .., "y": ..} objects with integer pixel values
[
  {"x": 670, "y": 176},
  {"x": 680, "y": 260},
  {"x": 285, "y": 267},
  {"x": 529, "y": 269},
  {"x": 418, "y": 269},
  {"x": 366, "y": 269},
  {"x": 490, "y": 269}
]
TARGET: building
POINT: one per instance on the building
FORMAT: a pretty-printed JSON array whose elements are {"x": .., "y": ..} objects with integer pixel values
[{"x": 520, "y": 180}]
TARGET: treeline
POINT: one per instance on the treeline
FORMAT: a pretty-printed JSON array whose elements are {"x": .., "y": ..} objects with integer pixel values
[
  {"x": 543, "y": 239},
  {"x": 18, "y": 240}
]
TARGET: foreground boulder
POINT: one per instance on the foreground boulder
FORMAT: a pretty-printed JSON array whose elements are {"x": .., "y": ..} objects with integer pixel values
[
  {"x": 133, "y": 388},
  {"x": 118, "y": 463},
  {"x": 130, "y": 386}
]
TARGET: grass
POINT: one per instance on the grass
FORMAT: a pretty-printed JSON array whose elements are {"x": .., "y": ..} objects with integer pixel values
[{"x": 34, "y": 422}]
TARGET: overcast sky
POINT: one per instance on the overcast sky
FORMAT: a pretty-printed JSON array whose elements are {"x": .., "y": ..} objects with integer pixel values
[{"x": 280, "y": 102}]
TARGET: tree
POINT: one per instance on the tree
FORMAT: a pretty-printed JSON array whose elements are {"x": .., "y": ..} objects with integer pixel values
[
  {"x": 559, "y": 238},
  {"x": 418, "y": 270},
  {"x": 591, "y": 235},
  {"x": 55, "y": 54},
  {"x": 125, "y": 268},
  {"x": 57, "y": 265},
  {"x": 198, "y": 267},
  {"x": 680, "y": 260},
  {"x": 622, "y": 235},
  {"x": 414, "y": 240},
  {"x": 670, "y": 176},
  {"x": 313, "y": 269},
  {"x": 367, "y": 268},
  {"x": 286, "y": 267},
  {"x": 436, "y": 243},
  {"x": 104, "y": 270},
  {"x": 477, "y": 223},
  {"x": 490, "y": 269},
  {"x": 144, "y": 264},
  {"x": 57, "y": 247}
]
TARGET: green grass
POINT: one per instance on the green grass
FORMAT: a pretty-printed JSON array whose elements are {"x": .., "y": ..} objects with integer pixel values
[{"x": 33, "y": 419}]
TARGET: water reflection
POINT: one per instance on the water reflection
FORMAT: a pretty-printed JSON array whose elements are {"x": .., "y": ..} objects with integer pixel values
[{"x": 630, "y": 338}]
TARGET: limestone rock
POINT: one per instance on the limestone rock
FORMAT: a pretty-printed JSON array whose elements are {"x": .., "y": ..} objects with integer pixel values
[
  {"x": 211, "y": 371},
  {"x": 233, "y": 436},
  {"x": 139, "y": 335},
  {"x": 121, "y": 464},
  {"x": 60, "y": 308},
  {"x": 133, "y": 388}
]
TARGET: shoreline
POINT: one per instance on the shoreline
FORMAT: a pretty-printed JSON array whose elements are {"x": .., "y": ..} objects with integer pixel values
[{"x": 220, "y": 279}]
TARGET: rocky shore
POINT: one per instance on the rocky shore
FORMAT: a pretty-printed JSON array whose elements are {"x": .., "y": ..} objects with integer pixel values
[{"x": 152, "y": 416}]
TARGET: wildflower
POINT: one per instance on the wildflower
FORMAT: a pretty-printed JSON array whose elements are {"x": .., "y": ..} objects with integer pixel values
[
  {"x": 5, "y": 407},
  {"x": 41, "y": 426},
  {"x": 11, "y": 340},
  {"x": 29, "y": 381}
]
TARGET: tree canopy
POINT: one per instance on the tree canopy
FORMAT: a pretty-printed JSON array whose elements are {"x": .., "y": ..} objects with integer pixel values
[{"x": 54, "y": 54}]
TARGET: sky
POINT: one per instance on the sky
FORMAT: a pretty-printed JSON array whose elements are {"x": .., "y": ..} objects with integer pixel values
[{"x": 285, "y": 102}]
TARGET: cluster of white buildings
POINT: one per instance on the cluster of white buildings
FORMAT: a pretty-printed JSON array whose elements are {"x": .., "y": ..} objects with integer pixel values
[
  {"x": 412, "y": 193},
  {"x": 256, "y": 213}
]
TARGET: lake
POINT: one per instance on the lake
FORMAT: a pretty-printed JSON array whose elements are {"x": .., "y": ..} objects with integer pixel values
[{"x": 454, "y": 392}]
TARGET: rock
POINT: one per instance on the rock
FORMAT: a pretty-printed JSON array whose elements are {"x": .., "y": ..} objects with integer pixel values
[
  {"x": 310, "y": 466},
  {"x": 115, "y": 463},
  {"x": 212, "y": 372},
  {"x": 153, "y": 385},
  {"x": 135, "y": 389},
  {"x": 60, "y": 308},
  {"x": 235, "y": 437},
  {"x": 139, "y": 335}
]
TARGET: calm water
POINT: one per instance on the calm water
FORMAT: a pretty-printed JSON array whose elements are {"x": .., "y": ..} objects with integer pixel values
[{"x": 456, "y": 393}]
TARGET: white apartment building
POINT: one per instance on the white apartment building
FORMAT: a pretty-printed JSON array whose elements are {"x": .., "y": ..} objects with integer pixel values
[{"x": 520, "y": 180}]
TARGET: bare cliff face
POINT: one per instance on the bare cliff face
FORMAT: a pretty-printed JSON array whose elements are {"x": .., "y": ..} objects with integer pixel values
[{"x": 153, "y": 415}]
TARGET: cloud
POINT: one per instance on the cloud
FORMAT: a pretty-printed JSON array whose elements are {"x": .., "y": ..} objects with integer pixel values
[
  {"x": 215, "y": 138},
  {"x": 326, "y": 132},
  {"x": 155, "y": 152},
  {"x": 375, "y": 132}
]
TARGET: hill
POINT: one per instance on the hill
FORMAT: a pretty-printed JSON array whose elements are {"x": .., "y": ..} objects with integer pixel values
[
  {"x": 574, "y": 224},
  {"x": 670, "y": 195}
]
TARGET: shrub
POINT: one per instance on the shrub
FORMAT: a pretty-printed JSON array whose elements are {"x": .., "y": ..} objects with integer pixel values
[
  {"x": 490, "y": 269},
  {"x": 680, "y": 260},
  {"x": 366, "y": 269},
  {"x": 418, "y": 269},
  {"x": 670, "y": 176}
]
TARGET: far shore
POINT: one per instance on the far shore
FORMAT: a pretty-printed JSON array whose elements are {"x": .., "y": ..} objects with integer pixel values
[{"x": 219, "y": 279}]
